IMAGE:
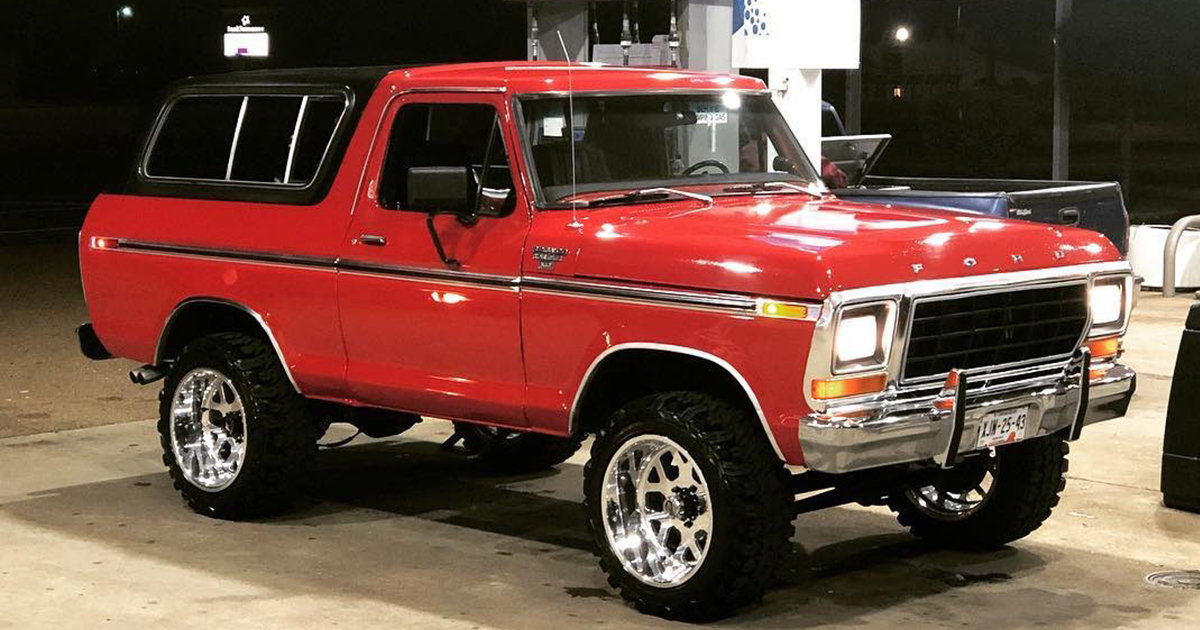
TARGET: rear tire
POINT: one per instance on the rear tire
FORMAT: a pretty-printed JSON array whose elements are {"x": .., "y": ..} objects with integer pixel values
[
  {"x": 1027, "y": 480},
  {"x": 508, "y": 451},
  {"x": 692, "y": 474},
  {"x": 266, "y": 441}
]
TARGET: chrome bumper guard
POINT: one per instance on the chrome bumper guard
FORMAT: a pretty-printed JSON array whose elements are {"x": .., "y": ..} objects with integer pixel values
[{"x": 903, "y": 426}]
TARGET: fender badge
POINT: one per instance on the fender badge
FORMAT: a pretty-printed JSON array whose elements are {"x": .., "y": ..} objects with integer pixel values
[
  {"x": 1059, "y": 255},
  {"x": 1017, "y": 258},
  {"x": 970, "y": 262},
  {"x": 547, "y": 257},
  {"x": 918, "y": 267}
]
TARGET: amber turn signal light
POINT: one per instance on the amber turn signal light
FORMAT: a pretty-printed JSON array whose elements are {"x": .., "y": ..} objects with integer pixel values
[
  {"x": 845, "y": 387},
  {"x": 945, "y": 399},
  {"x": 1104, "y": 348},
  {"x": 783, "y": 310}
]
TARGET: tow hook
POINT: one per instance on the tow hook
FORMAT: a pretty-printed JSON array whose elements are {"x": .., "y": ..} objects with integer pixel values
[{"x": 146, "y": 374}]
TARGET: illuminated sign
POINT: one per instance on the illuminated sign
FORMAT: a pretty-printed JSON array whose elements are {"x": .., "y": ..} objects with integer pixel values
[
  {"x": 244, "y": 40},
  {"x": 796, "y": 33}
]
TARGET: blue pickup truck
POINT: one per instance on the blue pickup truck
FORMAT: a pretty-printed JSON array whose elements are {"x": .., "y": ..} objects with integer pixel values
[{"x": 1097, "y": 206}]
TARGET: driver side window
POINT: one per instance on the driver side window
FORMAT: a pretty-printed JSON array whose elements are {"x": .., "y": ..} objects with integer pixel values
[{"x": 448, "y": 135}]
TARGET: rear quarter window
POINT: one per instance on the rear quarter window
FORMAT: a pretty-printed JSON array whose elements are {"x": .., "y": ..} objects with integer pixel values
[
  {"x": 316, "y": 129},
  {"x": 194, "y": 139},
  {"x": 265, "y": 139},
  {"x": 278, "y": 140}
]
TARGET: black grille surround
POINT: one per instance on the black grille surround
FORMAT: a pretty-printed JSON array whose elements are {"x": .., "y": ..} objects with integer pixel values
[{"x": 981, "y": 330}]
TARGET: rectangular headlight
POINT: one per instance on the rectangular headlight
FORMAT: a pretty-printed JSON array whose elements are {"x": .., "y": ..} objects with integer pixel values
[
  {"x": 1109, "y": 303},
  {"x": 863, "y": 337}
]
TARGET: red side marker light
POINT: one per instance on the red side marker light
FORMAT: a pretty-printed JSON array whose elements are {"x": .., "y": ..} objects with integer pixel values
[{"x": 103, "y": 242}]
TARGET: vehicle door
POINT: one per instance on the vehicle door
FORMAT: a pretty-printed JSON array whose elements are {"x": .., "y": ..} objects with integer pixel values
[{"x": 428, "y": 332}]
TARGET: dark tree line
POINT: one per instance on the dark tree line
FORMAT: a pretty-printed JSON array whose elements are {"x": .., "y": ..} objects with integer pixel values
[{"x": 1131, "y": 60}]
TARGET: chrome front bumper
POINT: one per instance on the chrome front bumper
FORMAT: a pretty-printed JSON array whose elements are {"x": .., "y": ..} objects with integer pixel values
[{"x": 898, "y": 428}]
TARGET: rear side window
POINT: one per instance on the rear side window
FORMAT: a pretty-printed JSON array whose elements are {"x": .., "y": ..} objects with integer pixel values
[
  {"x": 316, "y": 130},
  {"x": 266, "y": 139},
  {"x": 194, "y": 141}
]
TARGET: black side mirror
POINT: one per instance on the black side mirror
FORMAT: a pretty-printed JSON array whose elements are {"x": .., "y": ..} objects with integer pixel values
[{"x": 442, "y": 190}]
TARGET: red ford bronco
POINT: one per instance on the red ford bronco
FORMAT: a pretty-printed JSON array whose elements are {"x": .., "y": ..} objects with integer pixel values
[{"x": 541, "y": 253}]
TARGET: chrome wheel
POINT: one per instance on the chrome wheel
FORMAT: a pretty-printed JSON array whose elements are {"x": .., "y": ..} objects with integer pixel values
[
  {"x": 657, "y": 512},
  {"x": 962, "y": 492},
  {"x": 208, "y": 429}
]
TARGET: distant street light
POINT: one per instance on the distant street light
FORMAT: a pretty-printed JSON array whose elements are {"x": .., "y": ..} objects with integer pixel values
[
  {"x": 902, "y": 34},
  {"x": 125, "y": 12}
]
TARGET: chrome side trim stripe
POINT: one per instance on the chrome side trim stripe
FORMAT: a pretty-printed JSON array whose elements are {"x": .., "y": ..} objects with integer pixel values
[
  {"x": 426, "y": 273},
  {"x": 539, "y": 284},
  {"x": 684, "y": 298},
  {"x": 230, "y": 254}
]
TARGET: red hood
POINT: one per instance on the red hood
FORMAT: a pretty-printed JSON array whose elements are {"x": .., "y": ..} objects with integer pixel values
[{"x": 789, "y": 245}]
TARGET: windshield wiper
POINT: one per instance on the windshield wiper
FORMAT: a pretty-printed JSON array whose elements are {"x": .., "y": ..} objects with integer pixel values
[
  {"x": 768, "y": 187},
  {"x": 646, "y": 195}
]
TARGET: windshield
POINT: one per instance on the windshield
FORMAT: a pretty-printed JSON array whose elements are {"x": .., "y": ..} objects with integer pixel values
[{"x": 634, "y": 141}]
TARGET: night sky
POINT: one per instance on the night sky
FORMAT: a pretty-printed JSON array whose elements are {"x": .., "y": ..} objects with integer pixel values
[{"x": 76, "y": 79}]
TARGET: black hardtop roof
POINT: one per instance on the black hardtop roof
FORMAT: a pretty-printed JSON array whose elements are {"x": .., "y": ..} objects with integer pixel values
[
  {"x": 345, "y": 74},
  {"x": 362, "y": 80}
]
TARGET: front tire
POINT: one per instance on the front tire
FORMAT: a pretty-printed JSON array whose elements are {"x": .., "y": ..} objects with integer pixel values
[
  {"x": 1023, "y": 482},
  {"x": 688, "y": 506},
  {"x": 236, "y": 436}
]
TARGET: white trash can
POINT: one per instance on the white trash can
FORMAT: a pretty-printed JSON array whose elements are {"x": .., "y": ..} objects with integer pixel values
[{"x": 1146, "y": 244}]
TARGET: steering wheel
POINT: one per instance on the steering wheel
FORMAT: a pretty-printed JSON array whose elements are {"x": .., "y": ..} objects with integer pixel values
[{"x": 705, "y": 163}]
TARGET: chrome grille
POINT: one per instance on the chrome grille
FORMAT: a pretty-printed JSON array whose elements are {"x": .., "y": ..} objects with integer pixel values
[{"x": 992, "y": 329}]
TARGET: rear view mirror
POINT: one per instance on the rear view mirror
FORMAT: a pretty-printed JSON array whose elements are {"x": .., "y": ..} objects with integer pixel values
[
  {"x": 442, "y": 190},
  {"x": 783, "y": 165}
]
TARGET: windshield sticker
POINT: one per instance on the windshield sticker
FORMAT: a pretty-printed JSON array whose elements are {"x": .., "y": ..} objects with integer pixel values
[
  {"x": 552, "y": 126},
  {"x": 710, "y": 114}
]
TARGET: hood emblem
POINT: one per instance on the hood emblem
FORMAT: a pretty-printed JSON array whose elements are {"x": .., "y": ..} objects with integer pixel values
[
  {"x": 969, "y": 262},
  {"x": 918, "y": 267},
  {"x": 1017, "y": 258}
]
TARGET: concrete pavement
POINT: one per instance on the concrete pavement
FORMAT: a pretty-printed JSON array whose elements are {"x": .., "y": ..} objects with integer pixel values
[
  {"x": 45, "y": 384},
  {"x": 397, "y": 534}
]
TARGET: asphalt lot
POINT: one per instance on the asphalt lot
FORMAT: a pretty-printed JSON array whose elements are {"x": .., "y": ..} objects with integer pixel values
[
  {"x": 398, "y": 534},
  {"x": 45, "y": 383}
]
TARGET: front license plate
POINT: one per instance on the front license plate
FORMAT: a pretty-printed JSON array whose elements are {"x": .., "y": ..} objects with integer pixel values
[{"x": 1002, "y": 427}]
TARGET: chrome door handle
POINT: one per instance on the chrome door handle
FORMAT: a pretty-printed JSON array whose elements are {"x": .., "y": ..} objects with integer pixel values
[{"x": 372, "y": 239}]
